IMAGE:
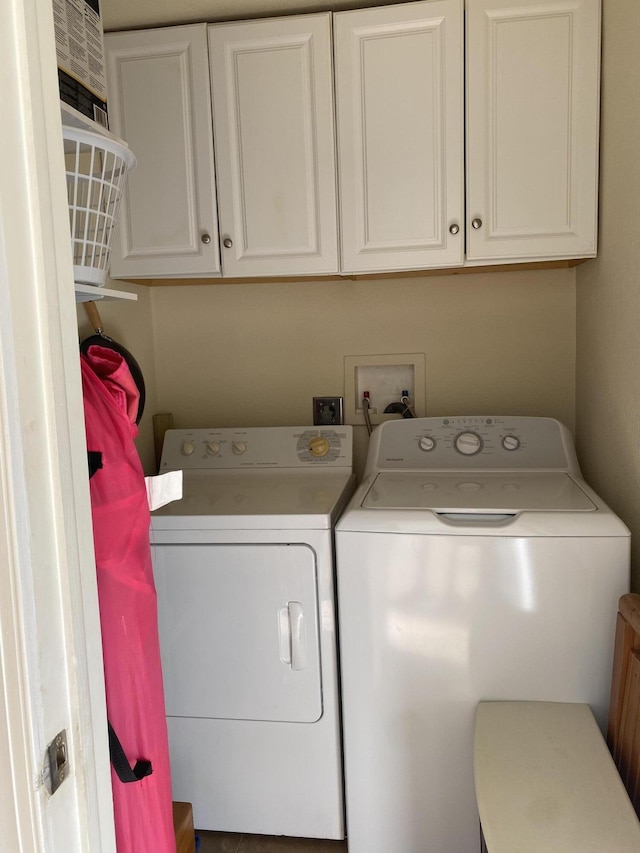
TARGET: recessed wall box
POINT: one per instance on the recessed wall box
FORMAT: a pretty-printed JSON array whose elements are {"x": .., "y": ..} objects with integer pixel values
[{"x": 384, "y": 377}]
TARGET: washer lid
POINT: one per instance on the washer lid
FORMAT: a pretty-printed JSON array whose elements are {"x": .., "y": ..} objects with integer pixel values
[{"x": 478, "y": 493}]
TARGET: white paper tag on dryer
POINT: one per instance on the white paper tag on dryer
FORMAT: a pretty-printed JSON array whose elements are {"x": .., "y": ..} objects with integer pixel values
[{"x": 163, "y": 488}]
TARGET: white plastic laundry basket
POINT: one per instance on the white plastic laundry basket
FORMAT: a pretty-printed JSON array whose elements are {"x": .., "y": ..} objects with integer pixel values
[{"x": 96, "y": 168}]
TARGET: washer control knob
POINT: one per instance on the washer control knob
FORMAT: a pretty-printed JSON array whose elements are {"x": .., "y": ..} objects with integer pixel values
[
  {"x": 468, "y": 443},
  {"x": 239, "y": 447},
  {"x": 319, "y": 446},
  {"x": 426, "y": 443},
  {"x": 511, "y": 442},
  {"x": 187, "y": 448},
  {"x": 212, "y": 448}
]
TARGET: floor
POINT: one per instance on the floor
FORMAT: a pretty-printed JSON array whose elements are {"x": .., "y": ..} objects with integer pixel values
[{"x": 225, "y": 842}]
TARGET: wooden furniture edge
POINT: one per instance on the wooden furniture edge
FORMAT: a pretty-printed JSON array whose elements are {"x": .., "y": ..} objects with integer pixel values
[
  {"x": 629, "y": 607},
  {"x": 183, "y": 827},
  {"x": 623, "y": 725}
]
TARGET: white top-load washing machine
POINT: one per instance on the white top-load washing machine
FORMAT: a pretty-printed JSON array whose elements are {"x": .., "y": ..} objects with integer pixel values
[
  {"x": 473, "y": 563},
  {"x": 244, "y": 570}
]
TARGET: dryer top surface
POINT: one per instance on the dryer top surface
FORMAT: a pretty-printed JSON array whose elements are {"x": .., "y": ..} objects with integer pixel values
[
  {"x": 257, "y": 478},
  {"x": 256, "y": 500}
]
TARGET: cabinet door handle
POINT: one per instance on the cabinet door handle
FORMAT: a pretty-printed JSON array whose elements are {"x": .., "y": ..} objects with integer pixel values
[
  {"x": 227, "y": 242},
  {"x": 206, "y": 238},
  {"x": 476, "y": 223},
  {"x": 454, "y": 228}
]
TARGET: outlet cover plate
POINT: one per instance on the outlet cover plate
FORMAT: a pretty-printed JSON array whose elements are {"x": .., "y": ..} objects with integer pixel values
[{"x": 328, "y": 411}]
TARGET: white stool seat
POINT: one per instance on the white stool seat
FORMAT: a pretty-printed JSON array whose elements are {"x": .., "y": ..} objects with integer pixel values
[{"x": 546, "y": 782}]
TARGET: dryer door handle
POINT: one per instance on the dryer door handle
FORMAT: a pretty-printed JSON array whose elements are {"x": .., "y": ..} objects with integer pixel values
[
  {"x": 298, "y": 644},
  {"x": 293, "y": 646}
]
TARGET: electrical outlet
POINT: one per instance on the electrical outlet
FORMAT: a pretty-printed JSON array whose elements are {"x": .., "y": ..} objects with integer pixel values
[{"x": 327, "y": 411}]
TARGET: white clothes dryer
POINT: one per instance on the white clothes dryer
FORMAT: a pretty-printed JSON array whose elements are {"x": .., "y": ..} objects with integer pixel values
[
  {"x": 473, "y": 563},
  {"x": 244, "y": 570}
]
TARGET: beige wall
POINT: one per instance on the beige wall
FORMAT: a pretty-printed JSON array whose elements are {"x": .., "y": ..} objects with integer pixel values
[
  {"x": 608, "y": 289},
  {"x": 255, "y": 354}
]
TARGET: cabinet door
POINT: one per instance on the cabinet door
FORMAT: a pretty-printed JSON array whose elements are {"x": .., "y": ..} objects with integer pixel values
[
  {"x": 532, "y": 143},
  {"x": 273, "y": 121},
  {"x": 160, "y": 102},
  {"x": 400, "y": 150}
]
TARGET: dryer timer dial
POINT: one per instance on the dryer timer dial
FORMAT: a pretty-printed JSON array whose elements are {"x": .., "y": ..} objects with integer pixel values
[{"x": 319, "y": 446}]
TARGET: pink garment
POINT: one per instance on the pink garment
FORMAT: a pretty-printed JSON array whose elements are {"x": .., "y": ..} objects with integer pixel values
[{"x": 128, "y": 607}]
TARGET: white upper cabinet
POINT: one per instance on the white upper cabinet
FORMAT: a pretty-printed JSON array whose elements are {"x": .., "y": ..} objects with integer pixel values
[
  {"x": 160, "y": 102},
  {"x": 412, "y": 193},
  {"x": 399, "y": 106},
  {"x": 274, "y": 140},
  {"x": 532, "y": 129}
]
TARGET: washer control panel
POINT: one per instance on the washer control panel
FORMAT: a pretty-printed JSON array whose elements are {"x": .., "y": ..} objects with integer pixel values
[
  {"x": 257, "y": 447},
  {"x": 472, "y": 443}
]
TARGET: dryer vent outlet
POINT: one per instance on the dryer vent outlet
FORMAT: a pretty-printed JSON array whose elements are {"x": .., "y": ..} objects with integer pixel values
[{"x": 328, "y": 411}]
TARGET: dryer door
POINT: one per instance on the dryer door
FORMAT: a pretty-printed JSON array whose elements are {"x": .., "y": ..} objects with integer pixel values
[{"x": 239, "y": 631}]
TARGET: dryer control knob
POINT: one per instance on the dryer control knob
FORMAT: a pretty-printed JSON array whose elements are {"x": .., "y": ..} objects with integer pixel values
[
  {"x": 239, "y": 447},
  {"x": 212, "y": 448},
  {"x": 188, "y": 447},
  {"x": 319, "y": 446},
  {"x": 426, "y": 443},
  {"x": 468, "y": 443}
]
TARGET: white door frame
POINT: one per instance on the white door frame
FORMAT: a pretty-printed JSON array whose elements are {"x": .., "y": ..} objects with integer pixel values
[{"x": 50, "y": 650}]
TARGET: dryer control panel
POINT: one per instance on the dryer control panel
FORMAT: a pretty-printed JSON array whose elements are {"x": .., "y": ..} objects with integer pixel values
[
  {"x": 472, "y": 443},
  {"x": 254, "y": 448}
]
